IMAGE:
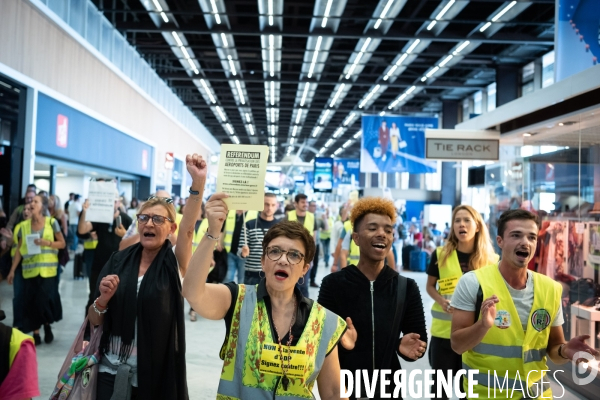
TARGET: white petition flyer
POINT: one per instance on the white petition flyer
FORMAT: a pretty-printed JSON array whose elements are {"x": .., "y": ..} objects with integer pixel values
[
  {"x": 102, "y": 196},
  {"x": 33, "y": 248}
]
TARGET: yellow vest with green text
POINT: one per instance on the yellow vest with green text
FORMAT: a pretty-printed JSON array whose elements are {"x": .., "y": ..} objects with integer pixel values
[
  {"x": 229, "y": 228},
  {"x": 309, "y": 220},
  {"x": 509, "y": 350},
  {"x": 44, "y": 264},
  {"x": 326, "y": 234},
  {"x": 354, "y": 254},
  {"x": 442, "y": 321},
  {"x": 243, "y": 349},
  {"x": 16, "y": 339}
]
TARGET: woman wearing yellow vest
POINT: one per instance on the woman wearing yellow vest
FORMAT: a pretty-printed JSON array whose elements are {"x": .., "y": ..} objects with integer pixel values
[
  {"x": 468, "y": 248},
  {"x": 278, "y": 342},
  {"x": 39, "y": 238}
]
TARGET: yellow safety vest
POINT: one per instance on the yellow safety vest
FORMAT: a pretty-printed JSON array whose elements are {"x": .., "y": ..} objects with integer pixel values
[
  {"x": 309, "y": 220},
  {"x": 506, "y": 348},
  {"x": 16, "y": 339},
  {"x": 354, "y": 254},
  {"x": 90, "y": 244},
  {"x": 13, "y": 248},
  {"x": 450, "y": 273},
  {"x": 199, "y": 234},
  {"x": 229, "y": 228},
  {"x": 243, "y": 352},
  {"x": 44, "y": 264},
  {"x": 251, "y": 215},
  {"x": 326, "y": 234}
]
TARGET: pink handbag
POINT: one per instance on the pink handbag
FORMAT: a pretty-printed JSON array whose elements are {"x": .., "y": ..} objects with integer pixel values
[{"x": 77, "y": 377}]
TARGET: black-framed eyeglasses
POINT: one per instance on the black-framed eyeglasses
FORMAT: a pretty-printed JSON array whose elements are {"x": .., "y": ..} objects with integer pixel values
[
  {"x": 293, "y": 256},
  {"x": 156, "y": 219},
  {"x": 167, "y": 200}
]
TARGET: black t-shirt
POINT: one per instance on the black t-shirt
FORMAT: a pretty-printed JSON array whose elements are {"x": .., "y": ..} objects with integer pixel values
[
  {"x": 434, "y": 270},
  {"x": 108, "y": 240},
  {"x": 235, "y": 239}
]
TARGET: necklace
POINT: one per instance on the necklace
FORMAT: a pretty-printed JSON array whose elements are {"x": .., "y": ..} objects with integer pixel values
[{"x": 285, "y": 380}]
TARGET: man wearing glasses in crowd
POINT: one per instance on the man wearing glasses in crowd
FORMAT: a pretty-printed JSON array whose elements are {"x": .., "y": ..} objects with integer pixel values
[{"x": 109, "y": 237}]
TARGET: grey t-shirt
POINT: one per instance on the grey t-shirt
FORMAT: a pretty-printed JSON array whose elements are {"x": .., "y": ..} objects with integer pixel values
[{"x": 465, "y": 297}]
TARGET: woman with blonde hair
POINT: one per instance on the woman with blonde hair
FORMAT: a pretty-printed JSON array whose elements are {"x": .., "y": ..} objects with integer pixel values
[
  {"x": 56, "y": 211},
  {"x": 468, "y": 247}
]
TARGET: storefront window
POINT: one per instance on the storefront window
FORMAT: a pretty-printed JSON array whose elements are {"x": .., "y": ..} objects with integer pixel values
[
  {"x": 548, "y": 69},
  {"x": 491, "y": 97}
]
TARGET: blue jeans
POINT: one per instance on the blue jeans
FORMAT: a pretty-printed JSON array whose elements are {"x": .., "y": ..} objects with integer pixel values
[
  {"x": 235, "y": 264},
  {"x": 252, "y": 278},
  {"x": 72, "y": 239},
  {"x": 325, "y": 245},
  {"x": 18, "y": 297}
]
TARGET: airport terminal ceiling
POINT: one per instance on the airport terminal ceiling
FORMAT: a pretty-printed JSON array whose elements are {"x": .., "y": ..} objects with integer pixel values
[{"x": 288, "y": 73}]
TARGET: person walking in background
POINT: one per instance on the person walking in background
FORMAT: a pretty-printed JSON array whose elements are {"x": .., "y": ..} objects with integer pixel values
[
  {"x": 74, "y": 212},
  {"x": 39, "y": 240},
  {"x": 17, "y": 215},
  {"x": 320, "y": 225},
  {"x": 301, "y": 214},
  {"x": 56, "y": 211},
  {"x": 468, "y": 248},
  {"x": 251, "y": 241},
  {"x": 336, "y": 240},
  {"x": 377, "y": 303},
  {"x": 325, "y": 236}
]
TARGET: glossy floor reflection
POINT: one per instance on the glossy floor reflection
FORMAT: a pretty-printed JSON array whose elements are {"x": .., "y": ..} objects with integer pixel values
[{"x": 204, "y": 338}]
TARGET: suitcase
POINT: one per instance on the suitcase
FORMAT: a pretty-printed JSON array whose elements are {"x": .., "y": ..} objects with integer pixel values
[
  {"x": 418, "y": 260},
  {"x": 78, "y": 266}
]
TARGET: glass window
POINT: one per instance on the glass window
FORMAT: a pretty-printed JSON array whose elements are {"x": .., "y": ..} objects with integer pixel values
[
  {"x": 477, "y": 102},
  {"x": 60, "y": 8},
  {"x": 92, "y": 30},
  {"x": 491, "y": 97},
  {"x": 77, "y": 13},
  {"x": 107, "y": 38},
  {"x": 548, "y": 69}
]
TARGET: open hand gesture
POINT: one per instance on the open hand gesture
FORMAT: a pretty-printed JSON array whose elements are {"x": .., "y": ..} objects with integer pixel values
[
  {"x": 197, "y": 167},
  {"x": 350, "y": 336},
  {"x": 411, "y": 346},
  {"x": 576, "y": 345},
  {"x": 488, "y": 311}
]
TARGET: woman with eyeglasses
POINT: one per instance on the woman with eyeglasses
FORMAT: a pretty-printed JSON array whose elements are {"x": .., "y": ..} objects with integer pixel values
[
  {"x": 139, "y": 303},
  {"x": 278, "y": 343}
]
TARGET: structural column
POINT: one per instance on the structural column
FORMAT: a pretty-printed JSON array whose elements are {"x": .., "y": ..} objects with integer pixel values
[
  {"x": 449, "y": 179},
  {"x": 507, "y": 83}
]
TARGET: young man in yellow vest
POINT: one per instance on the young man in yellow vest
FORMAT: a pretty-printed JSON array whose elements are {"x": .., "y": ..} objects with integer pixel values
[
  {"x": 520, "y": 320},
  {"x": 306, "y": 218}
]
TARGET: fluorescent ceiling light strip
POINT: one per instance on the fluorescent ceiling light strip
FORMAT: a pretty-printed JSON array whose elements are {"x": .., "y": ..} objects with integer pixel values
[
  {"x": 272, "y": 115},
  {"x": 232, "y": 66},
  {"x": 316, "y": 131},
  {"x": 348, "y": 119},
  {"x": 272, "y": 54},
  {"x": 433, "y": 71},
  {"x": 431, "y": 25},
  {"x": 248, "y": 117},
  {"x": 295, "y": 130},
  {"x": 484, "y": 27},
  {"x": 413, "y": 45},
  {"x": 327, "y": 10},
  {"x": 224, "y": 40},
  {"x": 409, "y": 91},
  {"x": 215, "y": 11},
  {"x": 306, "y": 86},
  {"x": 315, "y": 55},
  {"x": 461, "y": 47},
  {"x": 338, "y": 132},
  {"x": 292, "y": 140},
  {"x": 357, "y": 134},
  {"x": 348, "y": 143},
  {"x": 337, "y": 95},
  {"x": 157, "y": 5},
  {"x": 445, "y": 10},
  {"x": 236, "y": 140},
  {"x": 386, "y": 9},
  {"x": 270, "y": 12},
  {"x": 177, "y": 39},
  {"x": 240, "y": 92},
  {"x": 272, "y": 93},
  {"x": 338, "y": 151},
  {"x": 423, "y": 79},
  {"x": 365, "y": 45},
  {"x": 251, "y": 129},
  {"x": 207, "y": 90},
  {"x": 192, "y": 65},
  {"x": 185, "y": 52},
  {"x": 329, "y": 142},
  {"x": 229, "y": 128},
  {"x": 445, "y": 61},
  {"x": 298, "y": 116},
  {"x": 375, "y": 89},
  {"x": 221, "y": 114},
  {"x": 401, "y": 59},
  {"x": 324, "y": 117},
  {"x": 164, "y": 17},
  {"x": 504, "y": 11}
]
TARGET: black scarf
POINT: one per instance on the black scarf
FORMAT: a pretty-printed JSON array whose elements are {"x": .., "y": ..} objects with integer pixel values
[{"x": 159, "y": 311}]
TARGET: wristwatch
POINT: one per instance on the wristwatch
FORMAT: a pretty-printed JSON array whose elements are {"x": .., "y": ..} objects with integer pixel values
[{"x": 194, "y": 192}]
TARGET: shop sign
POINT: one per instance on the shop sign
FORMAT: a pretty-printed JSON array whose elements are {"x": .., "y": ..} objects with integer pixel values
[
  {"x": 62, "y": 131},
  {"x": 463, "y": 149},
  {"x": 169, "y": 160}
]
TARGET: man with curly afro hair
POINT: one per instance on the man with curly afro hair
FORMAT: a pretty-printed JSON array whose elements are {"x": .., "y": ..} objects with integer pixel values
[{"x": 378, "y": 304}]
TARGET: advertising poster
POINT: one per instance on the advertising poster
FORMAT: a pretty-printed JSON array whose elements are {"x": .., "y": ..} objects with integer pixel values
[
  {"x": 102, "y": 196},
  {"x": 323, "y": 174},
  {"x": 577, "y": 37},
  {"x": 553, "y": 248},
  {"x": 346, "y": 171},
  {"x": 395, "y": 144},
  {"x": 594, "y": 245},
  {"x": 242, "y": 170}
]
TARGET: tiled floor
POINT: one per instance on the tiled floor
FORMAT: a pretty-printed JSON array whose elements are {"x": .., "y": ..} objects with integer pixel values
[{"x": 204, "y": 338}]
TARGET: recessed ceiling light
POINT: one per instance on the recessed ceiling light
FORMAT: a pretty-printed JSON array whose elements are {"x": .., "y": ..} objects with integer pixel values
[{"x": 526, "y": 134}]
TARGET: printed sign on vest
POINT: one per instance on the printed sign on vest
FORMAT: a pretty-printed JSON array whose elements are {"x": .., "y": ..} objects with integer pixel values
[
  {"x": 270, "y": 362},
  {"x": 448, "y": 285}
]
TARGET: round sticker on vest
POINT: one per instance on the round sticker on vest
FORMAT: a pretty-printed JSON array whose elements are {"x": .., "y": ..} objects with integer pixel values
[
  {"x": 540, "y": 319},
  {"x": 502, "y": 320}
]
